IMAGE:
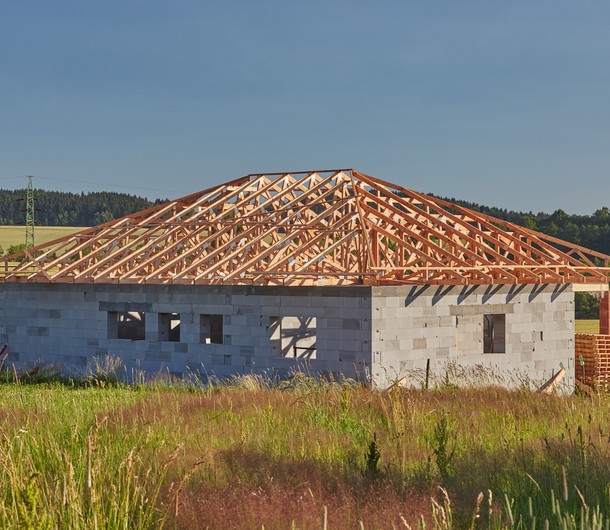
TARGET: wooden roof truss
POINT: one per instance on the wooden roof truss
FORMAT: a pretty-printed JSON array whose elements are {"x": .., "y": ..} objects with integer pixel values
[{"x": 327, "y": 227}]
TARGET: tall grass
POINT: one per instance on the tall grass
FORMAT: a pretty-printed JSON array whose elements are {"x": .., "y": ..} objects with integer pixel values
[
  {"x": 303, "y": 453},
  {"x": 61, "y": 469}
]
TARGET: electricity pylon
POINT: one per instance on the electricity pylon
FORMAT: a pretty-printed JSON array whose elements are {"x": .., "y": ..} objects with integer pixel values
[{"x": 29, "y": 215}]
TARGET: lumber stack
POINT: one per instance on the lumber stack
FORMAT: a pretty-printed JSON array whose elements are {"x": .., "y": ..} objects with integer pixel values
[{"x": 594, "y": 351}]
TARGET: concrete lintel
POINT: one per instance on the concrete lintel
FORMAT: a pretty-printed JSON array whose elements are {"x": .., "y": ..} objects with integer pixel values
[
  {"x": 589, "y": 287},
  {"x": 483, "y": 309}
]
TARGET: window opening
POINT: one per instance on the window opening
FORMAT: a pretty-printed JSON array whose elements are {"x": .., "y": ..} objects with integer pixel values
[
  {"x": 494, "y": 333},
  {"x": 211, "y": 329},
  {"x": 169, "y": 327},
  {"x": 293, "y": 336},
  {"x": 126, "y": 325}
]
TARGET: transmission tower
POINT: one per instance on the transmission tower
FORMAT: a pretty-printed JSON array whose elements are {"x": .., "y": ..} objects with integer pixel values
[{"x": 29, "y": 215}]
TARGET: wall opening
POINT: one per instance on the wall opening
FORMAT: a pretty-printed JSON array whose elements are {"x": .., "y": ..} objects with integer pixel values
[
  {"x": 293, "y": 337},
  {"x": 126, "y": 325},
  {"x": 494, "y": 333},
  {"x": 211, "y": 329},
  {"x": 169, "y": 327}
]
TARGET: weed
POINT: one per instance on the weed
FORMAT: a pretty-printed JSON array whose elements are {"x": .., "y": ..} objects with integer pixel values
[
  {"x": 443, "y": 443},
  {"x": 105, "y": 371},
  {"x": 372, "y": 458},
  {"x": 31, "y": 515}
]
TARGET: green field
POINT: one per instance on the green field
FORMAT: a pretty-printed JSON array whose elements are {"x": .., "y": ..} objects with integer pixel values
[
  {"x": 15, "y": 235},
  {"x": 300, "y": 455},
  {"x": 587, "y": 326}
]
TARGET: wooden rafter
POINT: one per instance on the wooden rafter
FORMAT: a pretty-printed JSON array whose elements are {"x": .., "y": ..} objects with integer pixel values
[{"x": 329, "y": 227}]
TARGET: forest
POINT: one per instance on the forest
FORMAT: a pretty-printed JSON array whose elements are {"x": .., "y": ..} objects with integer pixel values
[{"x": 58, "y": 208}]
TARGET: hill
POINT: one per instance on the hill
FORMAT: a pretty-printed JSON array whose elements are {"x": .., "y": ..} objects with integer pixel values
[{"x": 58, "y": 208}]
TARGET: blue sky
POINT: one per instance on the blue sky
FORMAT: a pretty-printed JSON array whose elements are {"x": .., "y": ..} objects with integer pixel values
[{"x": 496, "y": 102}]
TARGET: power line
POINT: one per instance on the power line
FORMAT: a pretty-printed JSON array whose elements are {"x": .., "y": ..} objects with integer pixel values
[
  {"x": 16, "y": 177},
  {"x": 111, "y": 185},
  {"x": 97, "y": 184}
]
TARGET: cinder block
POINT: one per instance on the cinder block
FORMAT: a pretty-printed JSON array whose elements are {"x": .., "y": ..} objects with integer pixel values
[
  {"x": 158, "y": 356},
  {"x": 295, "y": 301},
  {"x": 420, "y": 344},
  {"x": 423, "y": 322},
  {"x": 38, "y": 331},
  {"x": 358, "y": 313}
]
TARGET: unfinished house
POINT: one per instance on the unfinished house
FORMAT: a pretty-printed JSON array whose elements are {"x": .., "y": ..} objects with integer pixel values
[{"x": 331, "y": 272}]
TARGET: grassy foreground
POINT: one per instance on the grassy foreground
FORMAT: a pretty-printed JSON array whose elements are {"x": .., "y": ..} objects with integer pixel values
[{"x": 301, "y": 455}]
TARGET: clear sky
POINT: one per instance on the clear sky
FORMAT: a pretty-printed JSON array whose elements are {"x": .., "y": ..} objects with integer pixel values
[{"x": 499, "y": 102}]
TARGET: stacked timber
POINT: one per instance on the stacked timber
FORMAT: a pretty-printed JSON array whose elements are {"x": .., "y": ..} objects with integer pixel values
[{"x": 593, "y": 360}]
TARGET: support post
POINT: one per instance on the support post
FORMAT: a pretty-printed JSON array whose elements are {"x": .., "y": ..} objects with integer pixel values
[{"x": 604, "y": 314}]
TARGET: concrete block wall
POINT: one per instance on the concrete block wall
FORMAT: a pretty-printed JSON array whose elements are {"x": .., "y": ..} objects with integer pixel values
[
  {"x": 412, "y": 324},
  {"x": 367, "y": 332},
  {"x": 68, "y": 325}
]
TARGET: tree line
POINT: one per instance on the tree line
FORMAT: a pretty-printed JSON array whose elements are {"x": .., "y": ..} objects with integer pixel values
[{"x": 59, "y": 208}]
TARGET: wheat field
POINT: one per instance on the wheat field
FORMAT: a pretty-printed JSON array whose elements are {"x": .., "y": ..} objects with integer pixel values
[{"x": 15, "y": 235}]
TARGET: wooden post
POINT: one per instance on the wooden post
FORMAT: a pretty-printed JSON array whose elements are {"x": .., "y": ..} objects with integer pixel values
[
  {"x": 427, "y": 373},
  {"x": 604, "y": 314}
]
